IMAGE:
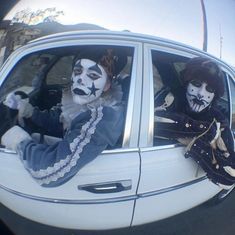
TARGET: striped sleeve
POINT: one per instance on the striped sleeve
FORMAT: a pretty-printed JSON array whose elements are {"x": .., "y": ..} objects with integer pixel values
[{"x": 53, "y": 165}]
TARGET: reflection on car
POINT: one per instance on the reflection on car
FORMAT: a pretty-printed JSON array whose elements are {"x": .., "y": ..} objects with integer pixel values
[{"x": 134, "y": 182}]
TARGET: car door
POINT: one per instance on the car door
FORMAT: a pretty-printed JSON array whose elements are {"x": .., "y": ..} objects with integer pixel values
[
  {"x": 103, "y": 193},
  {"x": 169, "y": 183}
]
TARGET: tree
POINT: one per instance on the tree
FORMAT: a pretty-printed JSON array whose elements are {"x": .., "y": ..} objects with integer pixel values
[{"x": 29, "y": 17}]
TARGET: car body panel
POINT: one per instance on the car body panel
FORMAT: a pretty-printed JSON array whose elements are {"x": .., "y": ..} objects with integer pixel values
[
  {"x": 47, "y": 205},
  {"x": 113, "y": 176},
  {"x": 166, "y": 175},
  {"x": 152, "y": 178},
  {"x": 172, "y": 201}
]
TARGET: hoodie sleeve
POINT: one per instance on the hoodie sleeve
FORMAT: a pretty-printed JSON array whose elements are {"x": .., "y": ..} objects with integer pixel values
[{"x": 53, "y": 165}]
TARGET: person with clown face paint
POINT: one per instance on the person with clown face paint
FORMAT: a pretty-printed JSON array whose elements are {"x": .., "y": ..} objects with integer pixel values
[
  {"x": 90, "y": 118},
  {"x": 190, "y": 115}
]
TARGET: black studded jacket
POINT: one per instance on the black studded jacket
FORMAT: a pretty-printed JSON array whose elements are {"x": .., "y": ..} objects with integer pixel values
[{"x": 207, "y": 134}]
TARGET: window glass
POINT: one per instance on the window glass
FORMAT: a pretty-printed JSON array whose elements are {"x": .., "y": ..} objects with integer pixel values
[
  {"x": 61, "y": 72},
  {"x": 166, "y": 73},
  {"x": 46, "y": 75},
  {"x": 232, "y": 89},
  {"x": 25, "y": 73},
  {"x": 167, "y": 70},
  {"x": 223, "y": 102}
]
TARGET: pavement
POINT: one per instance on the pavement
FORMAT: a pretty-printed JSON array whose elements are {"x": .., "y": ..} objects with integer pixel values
[{"x": 205, "y": 219}]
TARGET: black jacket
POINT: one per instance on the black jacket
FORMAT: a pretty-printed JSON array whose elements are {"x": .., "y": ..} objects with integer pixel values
[{"x": 210, "y": 140}]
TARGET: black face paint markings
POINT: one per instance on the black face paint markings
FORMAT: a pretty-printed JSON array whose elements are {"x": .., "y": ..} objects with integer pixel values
[
  {"x": 78, "y": 64},
  {"x": 77, "y": 68},
  {"x": 197, "y": 104},
  {"x": 96, "y": 69},
  {"x": 93, "y": 89},
  {"x": 79, "y": 81},
  {"x": 78, "y": 91},
  {"x": 193, "y": 98}
]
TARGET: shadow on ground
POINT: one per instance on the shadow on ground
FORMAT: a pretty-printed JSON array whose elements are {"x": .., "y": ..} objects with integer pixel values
[{"x": 203, "y": 220}]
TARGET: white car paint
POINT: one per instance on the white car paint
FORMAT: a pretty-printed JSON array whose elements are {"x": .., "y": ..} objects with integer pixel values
[{"x": 159, "y": 181}]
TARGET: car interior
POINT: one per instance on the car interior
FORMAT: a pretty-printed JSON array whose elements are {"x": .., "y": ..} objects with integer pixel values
[
  {"x": 169, "y": 67},
  {"x": 45, "y": 74}
]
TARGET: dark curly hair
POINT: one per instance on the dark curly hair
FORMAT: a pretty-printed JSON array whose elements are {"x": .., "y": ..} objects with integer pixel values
[
  {"x": 204, "y": 69},
  {"x": 113, "y": 61}
]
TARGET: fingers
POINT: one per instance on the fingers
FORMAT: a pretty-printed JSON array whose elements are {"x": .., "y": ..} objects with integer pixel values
[
  {"x": 12, "y": 101},
  {"x": 13, "y": 137}
]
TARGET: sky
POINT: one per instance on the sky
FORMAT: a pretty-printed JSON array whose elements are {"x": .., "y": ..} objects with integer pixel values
[
  {"x": 178, "y": 20},
  {"x": 221, "y": 18}
]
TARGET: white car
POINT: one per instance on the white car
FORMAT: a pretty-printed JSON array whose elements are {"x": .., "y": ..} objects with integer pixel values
[{"x": 139, "y": 181}]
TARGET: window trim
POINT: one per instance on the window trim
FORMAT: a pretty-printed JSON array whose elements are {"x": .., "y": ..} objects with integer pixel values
[
  {"x": 132, "y": 120},
  {"x": 230, "y": 80},
  {"x": 147, "y": 113},
  {"x": 146, "y": 140}
]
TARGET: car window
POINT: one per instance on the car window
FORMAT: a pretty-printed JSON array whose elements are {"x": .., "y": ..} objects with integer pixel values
[
  {"x": 167, "y": 70},
  {"x": 166, "y": 73},
  {"x": 61, "y": 72},
  {"x": 232, "y": 90},
  {"x": 26, "y": 73},
  {"x": 46, "y": 75},
  {"x": 223, "y": 102}
]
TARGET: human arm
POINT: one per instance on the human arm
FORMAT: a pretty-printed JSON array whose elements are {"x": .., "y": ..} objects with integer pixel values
[
  {"x": 174, "y": 125},
  {"x": 91, "y": 132},
  {"x": 216, "y": 156},
  {"x": 48, "y": 120}
]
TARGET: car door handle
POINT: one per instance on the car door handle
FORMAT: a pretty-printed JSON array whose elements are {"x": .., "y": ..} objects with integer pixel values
[
  {"x": 5, "y": 150},
  {"x": 108, "y": 187}
]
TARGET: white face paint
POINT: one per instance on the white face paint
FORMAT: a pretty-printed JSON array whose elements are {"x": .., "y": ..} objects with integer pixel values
[
  {"x": 199, "y": 95},
  {"x": 89, "y": 80}
]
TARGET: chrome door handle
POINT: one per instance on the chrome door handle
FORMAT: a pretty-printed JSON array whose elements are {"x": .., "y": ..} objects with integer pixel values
[
  {"x": 108, "y": 187},
  {"x": 5, "y": 150}
]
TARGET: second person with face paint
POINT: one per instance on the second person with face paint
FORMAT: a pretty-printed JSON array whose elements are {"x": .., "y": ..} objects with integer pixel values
[{"x": 191, "y": 116}]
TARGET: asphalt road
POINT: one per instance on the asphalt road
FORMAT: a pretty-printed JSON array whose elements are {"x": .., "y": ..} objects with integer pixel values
[{"x": 202, "y": 220}]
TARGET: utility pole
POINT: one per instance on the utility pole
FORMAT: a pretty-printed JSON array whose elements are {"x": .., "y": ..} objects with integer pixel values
[
  {"x": 221, "y": 42},
  {"x": 204, "y": 23}
]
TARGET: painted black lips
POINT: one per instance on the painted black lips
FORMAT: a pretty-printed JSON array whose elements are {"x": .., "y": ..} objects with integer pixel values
[
  {"x": 78, "y": 91},
  {"x": 197, "y": 101}
]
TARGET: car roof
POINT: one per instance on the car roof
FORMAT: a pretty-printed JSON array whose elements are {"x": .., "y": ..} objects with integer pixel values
[
  {"x": 124, "y": 35},
  {"x": 120, "y": 35}
]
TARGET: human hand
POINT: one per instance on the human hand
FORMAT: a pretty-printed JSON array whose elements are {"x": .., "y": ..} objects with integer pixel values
[
  {"x": 19, "y": 100},
  {"x": 12, "y": 138},
  {"x": 13, "y": 99}
]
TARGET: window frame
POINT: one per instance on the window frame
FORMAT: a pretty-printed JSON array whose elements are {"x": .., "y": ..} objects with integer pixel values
[
  {"x": 132, "y": 120},
  {"x": 231, "y": 80},
  {"x": 147, "y": 117}
]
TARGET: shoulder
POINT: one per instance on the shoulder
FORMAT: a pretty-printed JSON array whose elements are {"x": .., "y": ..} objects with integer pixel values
[
  {"x": 101, "y": 114},
  {"x": 116, "y": 110}
]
